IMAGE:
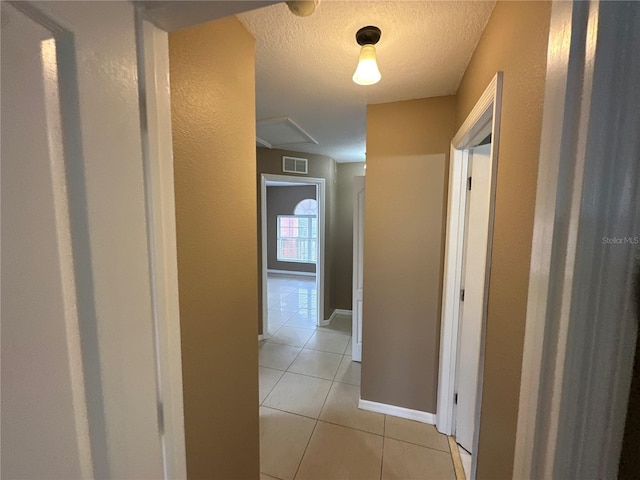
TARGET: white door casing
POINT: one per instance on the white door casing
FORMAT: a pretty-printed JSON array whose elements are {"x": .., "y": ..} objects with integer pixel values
[
  {"x": 483, "y": 120},
  {"x": 581, "y": 327},
  {"x": 320, "y": 185},
  {"x": 155, "y": 109},
  {"x": 41, "y": 351},
  {"x": 358, "y": 266},
  {"x": 79, "y": 251},
  {"x": 473, "y": 286}
]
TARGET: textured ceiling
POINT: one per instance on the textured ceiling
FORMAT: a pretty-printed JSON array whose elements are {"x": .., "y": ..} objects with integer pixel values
[
  {"x": 172, "y": 15},
  {"x": 304, "y": 65}
]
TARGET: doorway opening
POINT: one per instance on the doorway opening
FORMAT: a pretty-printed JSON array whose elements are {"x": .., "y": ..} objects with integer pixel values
[
  {"x": 293, "y": 249},
  {"x": 472, "y": 178}
]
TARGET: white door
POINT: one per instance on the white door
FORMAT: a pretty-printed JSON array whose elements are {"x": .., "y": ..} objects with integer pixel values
[
  {"x": 358, "y": 265},
  {"x": 472, "y": 297},
  {"x": 78, "y": 365}
]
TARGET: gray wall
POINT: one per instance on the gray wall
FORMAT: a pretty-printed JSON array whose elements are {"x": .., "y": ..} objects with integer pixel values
[
  {"x": 343, "y": 254},
  {"x": 283, "y": 201},
  {"x": 407, "y": 145}
]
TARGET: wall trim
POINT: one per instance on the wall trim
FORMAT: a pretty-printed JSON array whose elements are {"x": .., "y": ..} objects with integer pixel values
[
  {"x": 402, "y": 412},
  {"x": 327, "y": 322},
  {"x": 290, "y": 272},
  {"x": 337, "y": 311}
]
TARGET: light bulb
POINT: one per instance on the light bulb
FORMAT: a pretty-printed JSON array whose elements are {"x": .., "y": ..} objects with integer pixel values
[{"x": 367, "y": 72}]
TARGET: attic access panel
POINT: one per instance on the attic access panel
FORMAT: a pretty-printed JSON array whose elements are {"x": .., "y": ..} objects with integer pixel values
[{"x": 280, "y": 132}]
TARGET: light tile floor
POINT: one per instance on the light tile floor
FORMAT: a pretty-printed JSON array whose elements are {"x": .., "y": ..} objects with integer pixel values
[{"x": 310, "y": 424}]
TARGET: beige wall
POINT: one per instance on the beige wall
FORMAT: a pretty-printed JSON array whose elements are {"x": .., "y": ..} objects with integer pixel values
[
  {"x": 407, "y": 150},
  {"x": 320, "y": 166},
  {"x": 343, "y": 255},
  {"x": 213, "y": 115},
  {"x": 515, "y": 42}
]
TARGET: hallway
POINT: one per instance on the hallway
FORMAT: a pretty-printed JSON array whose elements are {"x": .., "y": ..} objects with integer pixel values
[{"x": 310, "y": 424}]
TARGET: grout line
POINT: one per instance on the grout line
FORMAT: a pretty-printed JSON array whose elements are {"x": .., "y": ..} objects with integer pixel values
[
  {"x": 350, "y": 428},
  {"x": 353, "y": 385},
  {"x": 310, "y": 437},
  {"x": 314, "y": 428},
  {"x": 270, "y": 476},
  {"x": 274, "y": 385},
  {"x": 384, "y": 438},
  {"x": 417, "y": 444},
  {"x": 291, "y": 413}
]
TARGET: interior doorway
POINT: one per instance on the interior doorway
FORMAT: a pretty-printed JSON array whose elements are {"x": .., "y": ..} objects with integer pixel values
[
  {"x": 293, "y": 242},
  {"x": 467, "y": 258}
]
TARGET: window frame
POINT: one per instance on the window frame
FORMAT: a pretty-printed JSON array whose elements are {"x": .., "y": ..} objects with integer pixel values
[{"x": 310, "y": 238}]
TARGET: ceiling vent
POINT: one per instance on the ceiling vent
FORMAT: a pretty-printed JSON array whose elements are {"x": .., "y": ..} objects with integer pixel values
[
  {"x": 295, "y": 165},
  {"x": 280, "y": 132}
]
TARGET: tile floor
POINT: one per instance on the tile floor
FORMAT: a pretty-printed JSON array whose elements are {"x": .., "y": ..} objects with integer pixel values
[
  {"x": 310, "y": 424},
  {"x": 292, "y": 300}
]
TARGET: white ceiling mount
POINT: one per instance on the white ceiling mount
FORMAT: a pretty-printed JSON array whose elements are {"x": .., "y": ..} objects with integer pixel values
[
  {"x": 303, "y": 8},
  {"x": 280, "y": 132}
]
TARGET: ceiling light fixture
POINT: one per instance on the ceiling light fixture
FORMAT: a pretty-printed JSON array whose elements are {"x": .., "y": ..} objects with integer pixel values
[
  {"x": 367, "y": 72},
  {"x": 303, "y": 8}
]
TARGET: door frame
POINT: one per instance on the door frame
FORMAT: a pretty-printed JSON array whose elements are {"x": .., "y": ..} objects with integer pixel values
[
  {"x": 484, "y": 119},
  {"x": 358, "y": 256},
  {"x": 580, "y": 329},
  {"x": 320, "y": 184},
  {"x": 157, "y": 153}
]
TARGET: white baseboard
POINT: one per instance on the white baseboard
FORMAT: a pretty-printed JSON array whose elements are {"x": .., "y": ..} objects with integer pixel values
[
  {"x": 417, "y": 415},
  {"x": 291, "y": 272},
  {"x": 337, "y": 311}
]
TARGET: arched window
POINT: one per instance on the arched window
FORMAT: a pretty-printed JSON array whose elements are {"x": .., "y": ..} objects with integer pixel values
[
  {"x": 308, "y": 206},
  {"x": 298, "y": 233}
]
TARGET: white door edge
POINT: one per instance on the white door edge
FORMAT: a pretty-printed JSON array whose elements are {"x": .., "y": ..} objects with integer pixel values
[
  {"x": 153, "y": 78},
  {"x": 474, "y": 302},
  {"x": 358, "y": 260}
]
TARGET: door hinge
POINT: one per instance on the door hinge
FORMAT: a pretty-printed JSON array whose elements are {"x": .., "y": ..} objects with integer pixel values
[
  {"x": 469, "y": 183},
  {"x": 462, "y": 295},
  {"x": 455, "y": 399},
  {"x": 161, "y": 417}
]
